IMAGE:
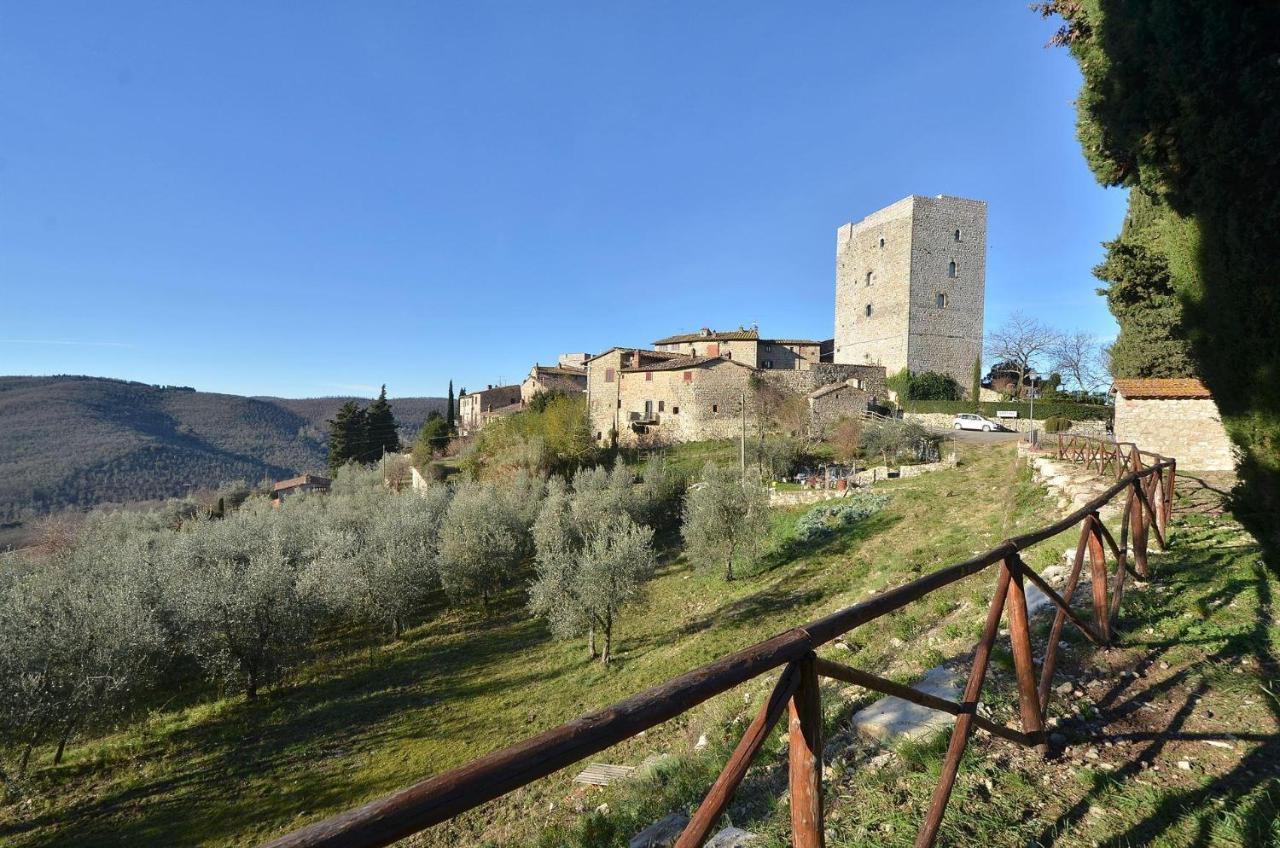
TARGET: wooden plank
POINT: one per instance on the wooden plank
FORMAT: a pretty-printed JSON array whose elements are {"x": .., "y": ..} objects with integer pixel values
[
  {"x": 805, "y": 759},
  {"x": 602, "y": 774}
]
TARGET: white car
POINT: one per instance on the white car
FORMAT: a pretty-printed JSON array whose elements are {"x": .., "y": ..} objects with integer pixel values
[{"x": 972, "y": 421}]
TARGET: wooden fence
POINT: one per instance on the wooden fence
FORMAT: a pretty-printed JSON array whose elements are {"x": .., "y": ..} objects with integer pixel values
[{"x": 1148, "y": 492}]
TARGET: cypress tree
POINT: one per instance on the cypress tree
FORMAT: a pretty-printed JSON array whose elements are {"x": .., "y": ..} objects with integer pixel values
[
  {"x": 347, "y": 435},
  {"x": 448, "y": 418},
  {"x": 382, "y": 433}
]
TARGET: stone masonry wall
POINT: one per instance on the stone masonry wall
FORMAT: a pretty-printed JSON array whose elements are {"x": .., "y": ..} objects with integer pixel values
[
  {"x": 1188, "y": 429},
  {"x": 826, "y": 373},
  {"x": 944, "y": 420},
  {"x": 947, "y": 338},
  {"x": 896, "y": 262}
]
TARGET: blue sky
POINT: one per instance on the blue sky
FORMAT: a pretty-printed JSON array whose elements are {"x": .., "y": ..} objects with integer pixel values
[{"x": 309, "y": 199}]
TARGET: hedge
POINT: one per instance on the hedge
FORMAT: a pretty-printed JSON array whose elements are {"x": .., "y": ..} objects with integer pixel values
[{"x": 1044, "y": 409}]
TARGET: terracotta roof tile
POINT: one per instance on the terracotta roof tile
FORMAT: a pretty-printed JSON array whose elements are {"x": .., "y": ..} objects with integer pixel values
[
  {"x": 1162, "y": 387},
  {"x": 713, "y": 336}
]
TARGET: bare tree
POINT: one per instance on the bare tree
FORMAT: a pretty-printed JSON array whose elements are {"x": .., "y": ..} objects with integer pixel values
[
  {"x": 1022, "y": 341},
  {"x": 1079, "y": 357}
]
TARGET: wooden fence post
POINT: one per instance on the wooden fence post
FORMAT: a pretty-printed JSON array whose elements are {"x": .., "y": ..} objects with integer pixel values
[
  {"x": 1023, "y": 658},
  {"x": 1138, "y": 527},
  {"x": 805, "y": 757},
  {"x": 1098, "y": 580}
]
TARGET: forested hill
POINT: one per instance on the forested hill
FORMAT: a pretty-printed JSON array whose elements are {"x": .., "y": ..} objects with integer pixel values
[{"x": 79, "y": 441}]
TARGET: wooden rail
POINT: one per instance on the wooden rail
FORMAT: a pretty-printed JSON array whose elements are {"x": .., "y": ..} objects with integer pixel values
[{"x": 1148, "y": 492}]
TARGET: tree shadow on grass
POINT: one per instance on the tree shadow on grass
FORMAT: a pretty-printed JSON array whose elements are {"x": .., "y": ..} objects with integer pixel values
[
  {"x": 1236, "y": 790},
  {"x": 302, "y": 736}
]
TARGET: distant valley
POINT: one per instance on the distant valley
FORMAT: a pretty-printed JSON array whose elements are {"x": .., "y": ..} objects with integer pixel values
[{"x": 69, "y": 441}]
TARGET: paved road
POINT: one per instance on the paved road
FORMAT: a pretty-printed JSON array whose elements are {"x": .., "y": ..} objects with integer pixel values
[{"x": 977, "y": 437}]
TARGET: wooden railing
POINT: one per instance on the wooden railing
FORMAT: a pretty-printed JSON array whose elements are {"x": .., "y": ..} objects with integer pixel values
[{"x": 1148, "y": 493}]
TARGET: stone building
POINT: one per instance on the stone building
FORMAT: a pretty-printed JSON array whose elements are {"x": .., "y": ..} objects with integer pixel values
[
  {"x": 910, "y": 286},
  {"x": 829, "y": 404},
  {"x": 553, "y": 378},
  {"x": 479, "y": 408},
  {"x": 659, "y": 397},
  {"x": 1175, "y": 418},
  {"x": 747, "y": 347}
]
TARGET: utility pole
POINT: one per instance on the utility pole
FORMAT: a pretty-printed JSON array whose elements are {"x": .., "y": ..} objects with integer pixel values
[{"x": 742, "y": 447}]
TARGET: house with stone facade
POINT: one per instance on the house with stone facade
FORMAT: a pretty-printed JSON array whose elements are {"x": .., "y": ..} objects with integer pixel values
[
  {"x": 479, "y": 408},
  {"x": 1173, "y": 417},
  {"x": 910, "y": 286},
  {"x": 637, "y": 396},
  {"x": 745, "y": 346},
  {"x": 553, "y": 378}
]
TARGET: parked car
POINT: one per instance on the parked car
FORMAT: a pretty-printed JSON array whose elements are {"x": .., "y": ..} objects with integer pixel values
[{"x": 973, "y": 421}]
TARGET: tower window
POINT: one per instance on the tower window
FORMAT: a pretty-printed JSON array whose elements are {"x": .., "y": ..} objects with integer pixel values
[
  {"x": 957, "y": 235},
  {"x": 868, "y": 278},
  {"x": 715, "y": 407},
  {"x": 942, "y": 300},
  {"x": 868, "y": 310},
  {"x": 951, "y": 269},
  {"x": 882, "y": 240}
]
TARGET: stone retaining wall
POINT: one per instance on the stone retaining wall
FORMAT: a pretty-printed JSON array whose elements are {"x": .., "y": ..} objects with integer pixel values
[{"x": 943, "y": 420}]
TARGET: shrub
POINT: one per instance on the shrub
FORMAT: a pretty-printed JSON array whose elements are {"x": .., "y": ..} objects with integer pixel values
[
  {"x": 1057, "y": 424},
  {"x": 725, "y": 518},
  {"x": 926, "y": 385},
  {"x": 830, "y": 517}
]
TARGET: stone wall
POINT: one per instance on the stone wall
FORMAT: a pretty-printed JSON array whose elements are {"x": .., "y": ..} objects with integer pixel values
[
  {"x": 821, "y": 374},
  {"x": 827, "y": 409},
  {"x": 943, "y": 421},
  {"x": 1187, "y": 429}
]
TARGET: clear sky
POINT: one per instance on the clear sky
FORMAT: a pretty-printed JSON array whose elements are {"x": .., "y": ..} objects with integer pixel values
[{"x": 315, "y": 198}]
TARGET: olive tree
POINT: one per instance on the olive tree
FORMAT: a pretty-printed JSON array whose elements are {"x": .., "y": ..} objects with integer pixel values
[
  {"x": 592, "y": 558},
  {"x": 483, "y": 539},
  {"x": 726, "y": 517},
  {"x": 375, "y": 555},
  {"x": 238, "y": 595},
  {"x": 81, "y": 636}
]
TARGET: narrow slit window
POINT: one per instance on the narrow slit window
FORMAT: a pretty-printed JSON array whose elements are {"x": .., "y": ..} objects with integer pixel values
[
  {"x": 942, "y": 300},
  {"x": 951, "y": 269},
  {"x": 868, "y": 310},
  {"x": 868, "y": 278},
  {"x": 957, "y": 235}
]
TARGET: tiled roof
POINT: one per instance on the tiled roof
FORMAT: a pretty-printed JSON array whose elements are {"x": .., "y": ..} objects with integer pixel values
[
  {"x": 713, "y": 336},
  {"x": 304, "y": 480},
  {"x": 680, "y": 363},
  {"x": 561, "y": 370},
  {"x": 826, "y": 390},
  {"x": 792, "y": 342},
  {"x": 663, "y": 353},
  {"x": 1162, "y": 387}
]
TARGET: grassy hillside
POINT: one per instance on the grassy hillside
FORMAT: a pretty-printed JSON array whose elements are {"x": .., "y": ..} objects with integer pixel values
[
  {"x": 80, "y": 441},
  {"x": 1196, "y": 661}
]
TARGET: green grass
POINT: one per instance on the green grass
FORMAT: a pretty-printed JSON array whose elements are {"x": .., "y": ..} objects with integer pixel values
[{"x": 356, "y": 723}]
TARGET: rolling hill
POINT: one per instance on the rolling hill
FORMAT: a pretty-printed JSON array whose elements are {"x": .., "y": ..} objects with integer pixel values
[{"x": 69, "y": 441}]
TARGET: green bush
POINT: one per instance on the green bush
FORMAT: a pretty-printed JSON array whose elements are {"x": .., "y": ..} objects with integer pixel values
[
  {"x": 926, "y": 385},
  {"x": 832, "y": 516},
  {"x": 1057, "y": 424}
]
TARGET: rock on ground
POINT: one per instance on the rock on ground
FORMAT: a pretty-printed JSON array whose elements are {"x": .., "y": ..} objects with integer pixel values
[
  {"x": 891, "y": 719},
  {"x": 661, "y": 834}
]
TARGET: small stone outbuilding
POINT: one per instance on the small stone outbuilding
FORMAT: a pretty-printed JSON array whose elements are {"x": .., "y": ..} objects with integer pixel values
[{"x": 1175, "y": 417}]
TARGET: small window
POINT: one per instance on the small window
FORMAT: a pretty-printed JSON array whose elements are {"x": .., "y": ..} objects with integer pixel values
[
  {"x": 768, "y": 363},
  {"x": 868, "y": 278},
  {"x": 957, "y": 235},
  {"x": 619, "y": 403},
  {"x": 675, "y": 410},
  {"x": 648, "y": 376},
  {"x": 951, "y": 269},
  {"x": 882, "y": 240},
  {"x": 662, "y": 405},
  {"x": 868, "y": 310},
  {"x": 688, "y": 376},
  {"x": 715, "y": 407},
  {"x": 942, "y": 300},
  {"x": 608, "y": 375},
  {"x": 599, "y": 435}
]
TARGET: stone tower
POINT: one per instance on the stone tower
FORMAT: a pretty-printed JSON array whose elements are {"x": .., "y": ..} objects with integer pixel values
[{"x": 910, "y": 285}]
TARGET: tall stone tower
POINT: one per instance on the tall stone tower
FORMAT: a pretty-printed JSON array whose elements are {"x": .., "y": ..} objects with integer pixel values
[{"x": 910, "y": 286}]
